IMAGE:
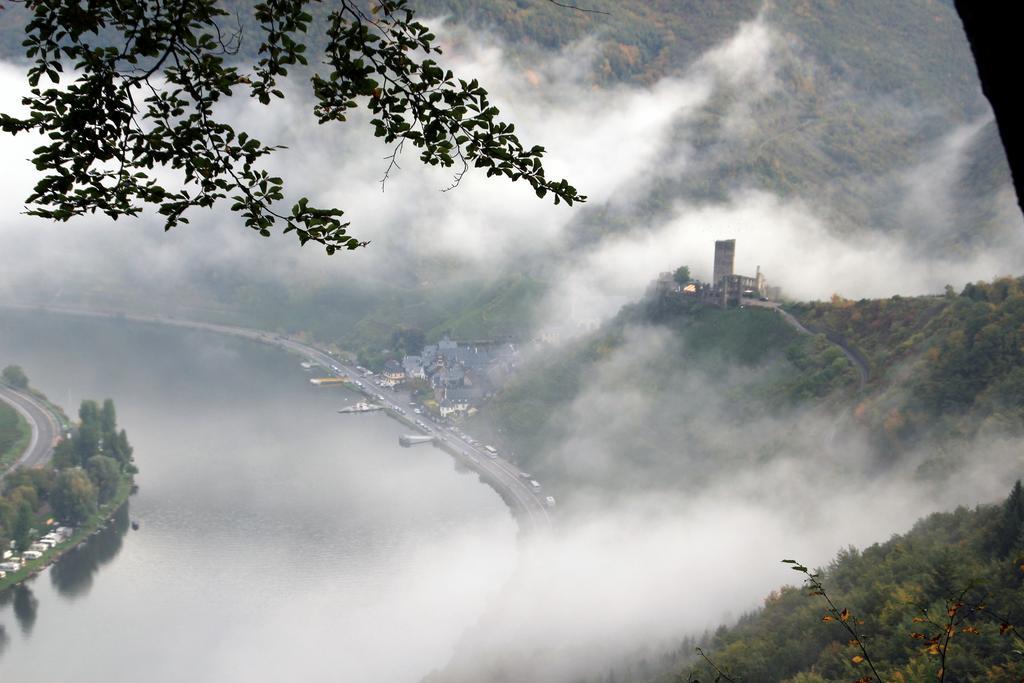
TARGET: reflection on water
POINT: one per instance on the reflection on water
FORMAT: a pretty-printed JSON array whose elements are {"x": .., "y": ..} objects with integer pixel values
[
  {"x": 72, "y": 575},
  {"x": 26, "y": 607}
]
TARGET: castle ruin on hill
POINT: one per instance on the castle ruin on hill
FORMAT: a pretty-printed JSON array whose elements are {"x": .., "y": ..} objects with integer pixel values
[{"x": 727, "y": 288}]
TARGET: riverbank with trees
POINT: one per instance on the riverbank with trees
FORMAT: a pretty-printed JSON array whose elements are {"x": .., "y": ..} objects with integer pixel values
[{"x": 90, "y": 475}]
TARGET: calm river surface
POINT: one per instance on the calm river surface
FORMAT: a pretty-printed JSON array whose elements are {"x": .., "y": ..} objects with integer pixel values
[{"x": 279, "y": 540}]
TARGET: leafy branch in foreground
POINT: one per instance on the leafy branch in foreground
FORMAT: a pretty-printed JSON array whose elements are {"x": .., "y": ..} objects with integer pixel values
[
  {"x": 720, "y": 675},
  {"x": 148, "y": 76},
  {"x": 841, "y": 616},
  {"x": 963, "y": 613}
]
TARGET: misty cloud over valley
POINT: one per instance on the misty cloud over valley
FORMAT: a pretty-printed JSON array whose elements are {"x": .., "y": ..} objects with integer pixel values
[
  {"x": 682, "y": 480},
  {"x": 619, "y": 144}
]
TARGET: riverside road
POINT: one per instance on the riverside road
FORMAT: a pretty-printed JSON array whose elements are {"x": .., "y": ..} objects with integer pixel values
[{"x": 42, "y": 422}]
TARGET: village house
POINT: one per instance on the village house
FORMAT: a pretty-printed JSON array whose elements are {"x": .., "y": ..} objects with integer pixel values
[
  {"x": 393, "y": 373},
  {"x": 449, "y": 407},
  {"x": 413, "y": 366},
  {"x": 461, "y": 376}
]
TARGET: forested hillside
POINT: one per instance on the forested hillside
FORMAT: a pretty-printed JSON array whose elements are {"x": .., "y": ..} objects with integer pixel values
[
  {"x": 855, "y": 94},
  {"x": 945, "y": 368},
  {"x": 944, "y": 371},
  {"x": 959, "y": 573},
  {"x": 668, "y": 391}
]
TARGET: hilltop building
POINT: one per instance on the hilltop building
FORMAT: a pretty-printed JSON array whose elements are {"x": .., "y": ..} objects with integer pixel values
[
  {"x": 727, "y": 288},
  {"x": 725, "y": 258}
]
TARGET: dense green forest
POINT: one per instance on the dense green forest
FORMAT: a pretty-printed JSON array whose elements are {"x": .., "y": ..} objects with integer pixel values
[
  {"x": 944, "y": 368},
  {"x": 88, "y": 470},
  {"x": 959, "y": 572}
]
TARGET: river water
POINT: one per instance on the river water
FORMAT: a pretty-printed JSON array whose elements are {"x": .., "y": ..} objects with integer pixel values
[{"x": 278, "y": 540}]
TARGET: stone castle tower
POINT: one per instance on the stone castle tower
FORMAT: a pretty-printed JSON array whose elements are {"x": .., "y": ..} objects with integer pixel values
[{"x": 725, "y": 257}]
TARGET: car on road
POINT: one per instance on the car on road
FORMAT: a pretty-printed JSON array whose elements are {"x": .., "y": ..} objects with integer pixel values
[{"x": 550, "y": 501}]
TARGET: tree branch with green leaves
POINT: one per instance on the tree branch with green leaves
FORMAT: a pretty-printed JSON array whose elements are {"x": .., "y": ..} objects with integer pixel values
[{"x": 134, "y": 86}]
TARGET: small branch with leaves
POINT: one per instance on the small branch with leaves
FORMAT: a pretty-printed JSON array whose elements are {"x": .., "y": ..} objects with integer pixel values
[
  {"x": 961, "y": 617},
  {"x": 843, "y": 617},
  {"x": 720, "y": 676}
]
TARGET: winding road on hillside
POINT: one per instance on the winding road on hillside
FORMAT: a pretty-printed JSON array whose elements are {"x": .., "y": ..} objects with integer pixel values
[
  {"x": 499, "y": 473},
  {"x": 855, "y": 358},
  {"x": 42, "y": 422}
]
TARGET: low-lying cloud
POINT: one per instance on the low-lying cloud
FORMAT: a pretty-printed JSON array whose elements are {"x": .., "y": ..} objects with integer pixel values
[
  {"x": 690, "y": 506},
  {"x": 614, "y": 143},
  {"x": 793, "y": 246}
]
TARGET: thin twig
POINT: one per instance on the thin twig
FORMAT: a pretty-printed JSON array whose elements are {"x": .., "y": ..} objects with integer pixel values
[
  {"x": 721, "y": 674},
  {"x": 842, "y": 616},
  {"x": 588, "y": 10}
]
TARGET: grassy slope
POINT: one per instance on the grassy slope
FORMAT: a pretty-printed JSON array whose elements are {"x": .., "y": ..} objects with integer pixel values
[
  {"x": 749, "y": 357},
  {"x": 14, "y": 434},
  {"x": 944, "y": 371}
]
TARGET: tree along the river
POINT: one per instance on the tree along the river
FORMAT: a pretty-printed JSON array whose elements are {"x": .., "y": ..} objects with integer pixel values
[
  {"x": 106, "y": 473},
  {"x": 88, "y": 469},
  {"x": 74, "y": 496},
  {"x": 22, "y": 528},
  {"x": 15, "y": 376},
  {"x": 108, "y": 416},
  {"x": 147, "y": 77}
]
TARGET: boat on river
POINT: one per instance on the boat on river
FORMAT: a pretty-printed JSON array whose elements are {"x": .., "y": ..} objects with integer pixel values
[{"x": 361, "y": 407}]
